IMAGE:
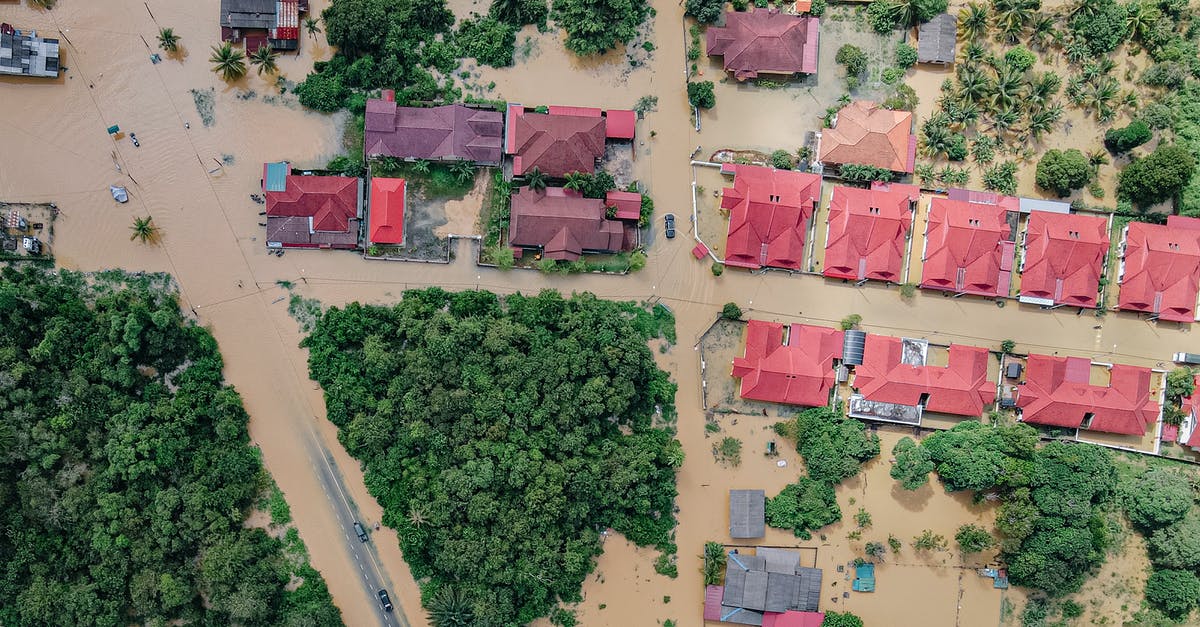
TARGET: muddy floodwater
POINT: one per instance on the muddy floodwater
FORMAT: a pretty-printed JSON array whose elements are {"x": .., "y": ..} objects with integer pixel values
[{"x": 203, "y": 143}]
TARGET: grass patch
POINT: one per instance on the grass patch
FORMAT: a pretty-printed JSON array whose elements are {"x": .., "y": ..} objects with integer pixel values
[{"x": 205, "y": 101}]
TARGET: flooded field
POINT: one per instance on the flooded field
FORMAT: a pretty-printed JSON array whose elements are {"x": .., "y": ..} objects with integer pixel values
[{"x": 195, "y": 182}]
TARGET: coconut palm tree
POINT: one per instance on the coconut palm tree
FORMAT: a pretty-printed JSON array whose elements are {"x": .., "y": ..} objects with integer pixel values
[
  {"x": 507, "y": 11},
  {"x": 972, "y": 21},
  {"x": 1076, "y": 50},
  {"x": 925, "y": 172},
  {"x": 1008, "y": 89},
  {"x": 1004, "y": 120},
  {"x": 417, "y": 516},
  {"x": 1096, "y": 158},
  {"x": 1042, "y": 32},
  {"x": 973, "y": 85},
  {"x": 264, "y": 59},
  {"x": 1141, "y": 19},
  {"x": 168, "y": 40},
  {"x": 1011, "y": 18},
  {"x": 1098, "y": 96},
  {"x": 536, "y": 179},
  {"x": 421, "y": 166},
  {"x": 1042, "y": 87},
  {"x": 450, "y": 608},
  {"x": 463, "y": 170},
  {"x": 973, "y": 53},
  {"x": 1129, "y": 99},
  {"x": 144, "y": 229},
  {"x": 575, "y": 181},
  {"x": 229, "y": 63},
  {"x": 311, "y": 26},
  {"x": 42, "y": 4},
  {"x": 1043, "y": 121}
]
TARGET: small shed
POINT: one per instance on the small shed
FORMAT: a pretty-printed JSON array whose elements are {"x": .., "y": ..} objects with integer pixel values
[
  {"x": 936, "y": 39},
  {"x": 747, "y": 513}
]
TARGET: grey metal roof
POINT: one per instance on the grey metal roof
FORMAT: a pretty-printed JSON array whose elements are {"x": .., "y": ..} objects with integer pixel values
[
  {"x": 248, "y": 13},
  {"x": 936, "y": 39},
  {"x": 1037, "y": 204},
  {"x": 809, "y": 598},
  {"x": 29, "y": 56},
  {"x": 747, "y": 513},
  {"x": 779, "y": 560},
  {"x": 771, "y": 581}
]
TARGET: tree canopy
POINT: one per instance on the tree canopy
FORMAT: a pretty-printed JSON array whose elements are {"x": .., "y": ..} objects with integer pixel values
[
  {"x": 501, "y": 435},
  {"x": 1157, "y": 177},
  {"x": 596, "y": 26},
  {"x": 1177, "y": 545},
  {"x": 1157, "y": 498},
  {"x": 126, "y": 472},
  {"x": 833, "y": 445},
  {"x": 1063, "y": 171},
  {"x": 1102, "y": 25},
  {"x": 803, "y": 506},
  {"x": 913, "y": 464},
  {"x": 1175, "y": 592}
]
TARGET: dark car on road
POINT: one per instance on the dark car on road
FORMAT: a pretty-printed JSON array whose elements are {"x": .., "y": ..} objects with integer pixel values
[
  {"x": 385, "y": 600},
  {"x": 669, "y": 219},
  {"x": 360, "y": 531}
]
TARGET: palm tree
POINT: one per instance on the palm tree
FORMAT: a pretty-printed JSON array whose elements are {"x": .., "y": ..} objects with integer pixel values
[
  {"x": 1042, "y": 87},
  {"x": 1043, "y": 121},
  {"x": 536, "y": 179},
  {"x": 229, "y": 63},
  {"x": 43, "y": 4},
  {"x": 463, "y": 170},
  {"x": 1141, "y": 19},
  {"x": 144, "y": 229},
  {"x": 972, "y": 21},
  {"x": 1008, "y": 89},
  {"x": 1083, "y": 7},
  {"x": 973, "y": 53},
  {"x": 1011, "y": 17},
  {"x": 1076, "y": 50},
  {"x": 1097, "y": 158},
  {"x": 508, "y": 11},
  {"x": 1098, "y": 96},
  {"x": 417, "y": 517},
  {"x": 1041, "y": 31},
  {"x": 924, "y": 171},
  {"x": 575, "y": 180},
  {"x": 421, "y": 166},
  {"x": 168, "y": 40},
  {"x": 1004, "y": 120},
  {"x": 450, "y": 608},
  {"x": 264, "y": 59},
  {"x": 311, "y": 26},
  {"x": 973, "y": 85}
]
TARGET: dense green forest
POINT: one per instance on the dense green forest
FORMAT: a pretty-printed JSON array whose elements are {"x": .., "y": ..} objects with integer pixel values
[
  {"x": 502, "y": 436},
  {"x": 126, "y": 471}
]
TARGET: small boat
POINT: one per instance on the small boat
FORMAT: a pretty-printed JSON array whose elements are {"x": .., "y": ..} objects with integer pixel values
[{"x": 119, "y": 194}]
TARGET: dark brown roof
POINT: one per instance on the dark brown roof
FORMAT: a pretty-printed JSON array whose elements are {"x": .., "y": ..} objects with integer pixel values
[
  {"x": 555, "y": 144},
  {"x": 936, "y": 39},
  {"x": 564, "y": 224},
  {"x": 445, "y": 133},
  {"x": 315, "y": 211},
  {"x": 765, "y": 41}
]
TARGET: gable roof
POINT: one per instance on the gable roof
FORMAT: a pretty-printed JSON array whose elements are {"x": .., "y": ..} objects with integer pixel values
[
  {"x": 1063, "y": 258},
  {"x": 747, "y": 514},
  {"x": 1057, "y": 392},
  {"x": 799, "y": 372},
  {"x": 564, "y": 224},
  {"x": 769, "y": 215},
  {"x": 1160, "y": 268},
  {"x": 770, "y": 582},
  {"x": 248, "y": 13},
  {"x": 964, "y": 248},
  {"x": 315, "y": 211},
  {"x": 628, "y": 204},
  {"x": 867, "y": 229},
  {"x": 445, "y": 133},
  {"x": 765, "y": 41},
  {"x": 865, "y": 133},
  {"x": 386, "y": 224},
  {"x": 961, "y": 387},
  {"x": 556, "y": 144},
  {"x": 936, "y": 39}
]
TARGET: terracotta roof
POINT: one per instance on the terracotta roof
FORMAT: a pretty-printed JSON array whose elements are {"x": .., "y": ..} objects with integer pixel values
[
  {"x": 1057, "y": 393},
  {"x": 1161, "y": 268},
  {"x": 314, "y": 211},
  {"x": 799, "y": 372},
  {"x": 792, "y": 618},
  {"x": 564, "y": 224},
  {"x": 867, "y": 134},
  {"x": 445, "y": 133},
  {"x": 628, "y": 204},
  {"x": 867, "y": 229},
  {"x": 765, "y": 42},
  {"x": 964, "y": 251},
  {"x": 620, "y": 123},
  {"x": 1063, "y": 256},
  {"x": 555, "y": 144},
  {"x": 960, "y": 388},
  {"x": 769, "y": 215},
  {"x": 386, "y": 223}
]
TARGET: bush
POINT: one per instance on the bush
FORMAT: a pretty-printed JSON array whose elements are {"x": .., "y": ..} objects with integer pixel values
[
  {"x": 881, "y": 16},
  {"x": 906, "y": 56},
  {"x": 1169, "y": 74},
  {"x": 718, "y": 268},
  {"x": 803, "y": 506},
  {"x": 488, "y": 40},
  {"x": 321, "y": 91},
  {"x": 856, "y": 173},
  {"x": 1121, "y": 140},
  {"x": 1063, "y": 172},
  {"x": 782, "y": 159},
  {"x": 705, "y": 11},
  {"x": 929, "y": 541},
  {"x": 1175, "y": 592},
  {"x": 1158, "y": 177},
  {"x": 1157, "y": 115},
  {"x": 731, "y": 311},
  {"x": 741, "y": 5},
  {"x": 1019, "y": 58},
  {"x": 851, "y": 321},
  {"x": 890, "y": 75},
  {"x": 730, "y": 450},
  {"x": 973, "y": 539},
  {"x": 841, "y": 619},
  {"x": 1001, "y": 177},
  {"x": 1102, "y": 27},
  {"x": 913, "y": 464},
  {"x": 818, "y": 8},
  {"x": 853, "y": 58},
  {"x": 700, "y": 94},
  {"x": 956, "y": 149},
  {"x": 832, "y": 445}
]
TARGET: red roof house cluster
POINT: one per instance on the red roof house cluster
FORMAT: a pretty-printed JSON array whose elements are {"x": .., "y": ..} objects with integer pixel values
[
  {"x": 765, "y": 42},
  {"x": 865, "y": 133},
  {"x": 315, "y": 212},
  {"x": 968, "y": 249},
  {"x": 1063, "y": 259},
  {"x": 788, "y": 364},
  {"x": 563, "y": 224},
  {"x": 961, "y": 387},
  {"x": 1160, "y": 268},
  {"x": 770, "y": 212},
  {"x": 1057, "y": 392},
  {"x": 446, "y": 133},
  {"x": 386, "y": 219},
  {"x": 867, "y": 230},
  {"x": 563, "y": 140}
]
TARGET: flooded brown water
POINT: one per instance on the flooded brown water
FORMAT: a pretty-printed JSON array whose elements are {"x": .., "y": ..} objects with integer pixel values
[{"x": 57, "y": 150}]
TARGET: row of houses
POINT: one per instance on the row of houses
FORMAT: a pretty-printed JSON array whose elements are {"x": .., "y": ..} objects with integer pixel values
[
  {"x": 24, "y": 53},
  {"x": 258, "y": 23},
  {"x": 971, "y": 245}
]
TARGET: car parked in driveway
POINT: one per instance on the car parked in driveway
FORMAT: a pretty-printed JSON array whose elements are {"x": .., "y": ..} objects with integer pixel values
[
  {"x": 385, "y": 600},
  {"x": 360, "y": 531},
  {"x": 669, "y": 219}
]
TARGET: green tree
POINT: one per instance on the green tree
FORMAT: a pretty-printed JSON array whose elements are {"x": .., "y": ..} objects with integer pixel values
[
  {"x": 1157, "y": 177},
  {"x": 144, "y": 230},
  {"x": 718, "y": 268},
  {"x": 841, "y": 619},
  {"x": 1019, "y": 58},
  {"x": 1157, "y": 498},
  {"x": 1177, "y": 545},
  {"x": 803, "y": 506},
  {"x": 595, "y": 26},
  {"x": 1102, "y": 26},
  {"x": 489, "y": 40},
  {"x": 782, "y": 160},
  {"x": 168, "y": 40},
  {"x": 536, "y": 179},
  {"x": 229, "y": 63},
  {"x": 700, "y": 94},
  {"x": 929, "y": 541},
  {"x": 264, "y": 59},
  {"x": 913, "y": 464},
  {"x": 1001, "y": 177},
  {"x": 1175, "y": 592},
  {"x": 973, "y": 538},
  {"x": 353, "y": 26},
  {"x": 1062, "y": 172},
  {"x": 852, "y": 58},
  {"x": 850, "y": 322},
  {"x": 731, "y": 311},
  {"x": 705, "y": 11},
  {"x": 1122, "y": 140},
  {"x": 833, "y": 446},
  {"x": 906, "y": 55},
  {"x": 312, "y": 26}
]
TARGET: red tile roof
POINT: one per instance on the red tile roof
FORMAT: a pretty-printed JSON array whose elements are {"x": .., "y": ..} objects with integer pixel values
[
  {"x": 866, "y": 237},
  {"x": 798, "y": 373},
  {"x": 960, "y": 388},
  {"x": 769, "y": 215},
  {"x": 555, "y": 144},
  {"x": 628, "y": 204},
  {"x": 712, "y": 602},
  {"x": 1057, "y": 393},
  {"x": 446, "y": 133},
  {"x": 1063, "y": 257},
  {"x": 620, "y": 123},
  {"x": 963, "y": 248},
  {"x": 793, "y": 618},
  {"x": 1162, "y": 269},
  {"x": 564, "y": 224},
  {"x": 314, "y": 211},
  {"x": 765, "y": 42},
  {"x": 867, "y": 134},
  {"x": 700, "y": 251},
  {"x": 386, "y": 223}
]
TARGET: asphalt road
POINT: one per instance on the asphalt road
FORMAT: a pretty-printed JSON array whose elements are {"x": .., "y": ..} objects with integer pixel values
[{"x": 370, "y": 574}]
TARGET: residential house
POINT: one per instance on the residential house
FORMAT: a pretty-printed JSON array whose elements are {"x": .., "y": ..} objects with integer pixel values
[
  {"x": 896, "y": 374},
  {"x": 385, "y": 223},
  {"x": 562, "y": 225},
  {"x": 564, "y": 139},
  {"x": 770, "y": 214},
  {"x": 257, "y": 23},
  {"x": 311, "y": 211},
  {"x": 447, "y": 133},
  {"x": 765, "y": 41},
  {"x": 968, "y": 247},
  {"x": 26, "y": 54},
  {"x": 865, "y": 133},
  {"x": 1063, "y": 257},
  {"x": 1160, "y": 269},
  {"x": 769, "y": 587},
  {"x": 1058, "y": 392},
  {"x": 868, "y": 230},
  {"x": 791, "y": 364}
]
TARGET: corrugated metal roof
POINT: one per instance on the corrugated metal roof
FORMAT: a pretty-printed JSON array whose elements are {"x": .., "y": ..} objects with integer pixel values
[{"x": 275, "y": 179}]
